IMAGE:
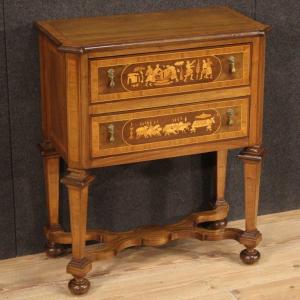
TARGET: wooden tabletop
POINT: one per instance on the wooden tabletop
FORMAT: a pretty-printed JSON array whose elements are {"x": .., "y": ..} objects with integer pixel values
[{"x": 118, "y": 31}]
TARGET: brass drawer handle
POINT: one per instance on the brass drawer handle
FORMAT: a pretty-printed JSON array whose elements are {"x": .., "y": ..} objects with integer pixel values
[
  {"x": 232, "y": 68},
  {"x": 230, "y": 117},
  {"x": 111, "y": 76},
  {"x": 111, "y": 132}
]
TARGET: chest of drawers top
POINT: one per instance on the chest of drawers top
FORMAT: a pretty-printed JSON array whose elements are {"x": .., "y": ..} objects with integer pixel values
[{"x": 160, "y": 28}]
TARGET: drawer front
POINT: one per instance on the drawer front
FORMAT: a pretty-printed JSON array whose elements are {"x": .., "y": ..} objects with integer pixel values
[
  {"x": 169, "y": 127},
  {"x": 149, "y": 75}
]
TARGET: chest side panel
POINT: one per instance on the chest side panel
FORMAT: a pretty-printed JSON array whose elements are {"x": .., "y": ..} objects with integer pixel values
[{"x": 53, "y": 86}]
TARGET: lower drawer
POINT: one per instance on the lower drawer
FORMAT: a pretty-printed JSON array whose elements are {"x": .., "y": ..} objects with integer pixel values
[{"x": 169, "y": 127}]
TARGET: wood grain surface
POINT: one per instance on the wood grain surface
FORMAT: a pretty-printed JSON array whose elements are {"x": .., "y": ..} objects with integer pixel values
[{"x": 155, "y": 28}]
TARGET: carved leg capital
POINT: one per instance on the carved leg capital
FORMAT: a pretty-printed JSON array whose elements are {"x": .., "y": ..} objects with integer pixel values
[
  {"x": 254, "y": 153},
  {"x": 77, "y": 178},
  {"x": 47, "y": 149}
]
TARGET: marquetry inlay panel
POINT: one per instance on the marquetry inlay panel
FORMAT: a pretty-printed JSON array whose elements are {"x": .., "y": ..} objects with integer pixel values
[
  {"x": 139, "y": 76},
  {"x": 117, "y": 134}
]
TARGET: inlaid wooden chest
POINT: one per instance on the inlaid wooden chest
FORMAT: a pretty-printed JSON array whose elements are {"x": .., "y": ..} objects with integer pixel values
[{"x": 130, "y": 88}]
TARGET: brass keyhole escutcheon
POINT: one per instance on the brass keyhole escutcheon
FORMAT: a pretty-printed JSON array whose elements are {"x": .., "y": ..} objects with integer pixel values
[
  {"x": 111, "y": 133},
  {"x": 230, "y": 117},
  {"x": 232, "y": 68},
  {"x": 111, "y": 76}
]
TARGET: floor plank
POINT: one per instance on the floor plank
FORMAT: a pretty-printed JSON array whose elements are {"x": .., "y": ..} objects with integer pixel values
[
  {"x": 183, "y": 270},
  {"x": 279, "y": 290}
]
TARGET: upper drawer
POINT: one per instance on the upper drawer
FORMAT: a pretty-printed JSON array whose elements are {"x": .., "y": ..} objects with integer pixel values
[{"x": 174, "y": 72}]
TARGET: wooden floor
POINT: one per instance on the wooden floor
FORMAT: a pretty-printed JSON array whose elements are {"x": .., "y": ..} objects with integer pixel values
[{"x": 182, "y": 270}]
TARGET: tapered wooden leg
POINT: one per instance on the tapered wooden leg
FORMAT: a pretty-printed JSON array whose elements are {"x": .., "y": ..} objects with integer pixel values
[
  {"x": 221, "y": 183},
  {"x": 51, "y": 175},
  {"x": 252, "y": 158},
  {"x": 77, "y": 182}
]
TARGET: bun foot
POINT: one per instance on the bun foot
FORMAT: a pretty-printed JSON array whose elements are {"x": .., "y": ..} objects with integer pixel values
[
  {"x": 215, "y": 225},
  {"x": 250, "y": 256},
  {"x": 54, "y": 250},
  {"x": 79, "y": 286}
]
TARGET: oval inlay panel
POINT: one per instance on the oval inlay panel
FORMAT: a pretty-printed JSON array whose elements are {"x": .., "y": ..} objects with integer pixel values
[
  {"x": 170, "y": 73},
  {"x": 161, "y": 128}
]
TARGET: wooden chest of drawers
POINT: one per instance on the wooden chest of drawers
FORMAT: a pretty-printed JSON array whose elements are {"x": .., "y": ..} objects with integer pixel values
[{"x": 131, "y": 88}]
